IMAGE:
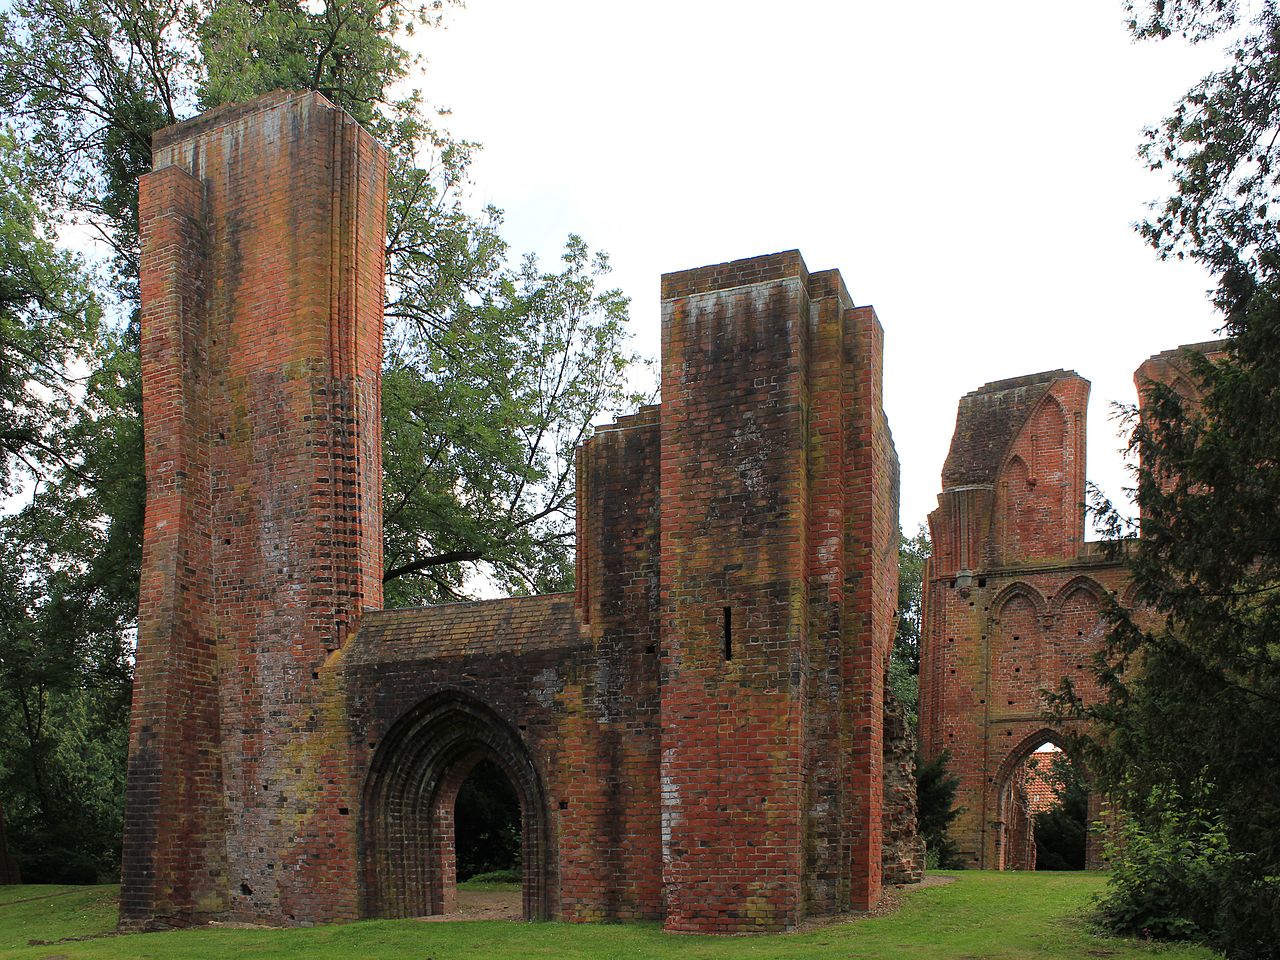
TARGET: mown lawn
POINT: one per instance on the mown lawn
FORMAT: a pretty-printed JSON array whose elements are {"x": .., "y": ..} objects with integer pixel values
[{"x": 981, "y": 915}]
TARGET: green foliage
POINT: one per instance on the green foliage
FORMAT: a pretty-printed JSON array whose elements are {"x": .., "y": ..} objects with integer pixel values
[
  {"x": 48, "y": 321},
  {"x": 904, "y": 657},
  {"x": 913, "y": 553},
  {"x": 487, "y": 826},
  {"x": 1061, "y": 832},
  {"x": 904, "y": 687},
  {"x": 481, "y": 420},
  {"x": 494, "y": 879},
  {"x": 67, "y": 581},
  {"x": 1189, "y": 732},
  {"x": 935, "y": 797},
  {"x": 66, "y": 633},
  {"x": 85, "y": 82},
  {"x": 349, "y": 50},
  {"x": 1167, "y": 870}
]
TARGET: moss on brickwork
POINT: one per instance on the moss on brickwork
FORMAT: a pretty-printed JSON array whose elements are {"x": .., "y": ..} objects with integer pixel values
[{"x": 695, "y": 734}]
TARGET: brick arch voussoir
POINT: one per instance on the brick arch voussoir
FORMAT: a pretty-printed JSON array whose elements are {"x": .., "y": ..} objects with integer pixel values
[
  {"x": 1049, "y": 400},
  {"x": 423, "y": 759},
  {"x": 1018, "y": 754}
]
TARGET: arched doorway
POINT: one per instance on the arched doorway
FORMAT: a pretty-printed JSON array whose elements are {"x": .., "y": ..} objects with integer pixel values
[
  {"x": 487, "y": 828},
  {"x": 410, "y": 866},
  {"x": 1044, "y": 808}
]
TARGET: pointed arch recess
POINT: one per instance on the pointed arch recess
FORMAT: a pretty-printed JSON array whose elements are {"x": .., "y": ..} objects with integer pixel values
[
  {"x": 407, "y": 821},
  {"x": 1077, "y": 584},
  {"x": 1023, "y": 749},
  {"x": 1048, "y": 403},
  {"x": 1019, "y": 588}
]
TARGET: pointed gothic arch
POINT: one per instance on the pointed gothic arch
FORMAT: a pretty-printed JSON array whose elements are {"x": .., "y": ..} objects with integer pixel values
[
  {"x": 1019, "y": 588},
  {"x": 408, "y": 866}
]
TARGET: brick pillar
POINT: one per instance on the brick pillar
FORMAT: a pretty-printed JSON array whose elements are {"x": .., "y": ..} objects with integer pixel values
[
  {"x": 262, "y": 281},
  {"x": 733, "y": 553},
  {"x": 871, "y": 578},
  {"x": 778, "y": 587}
]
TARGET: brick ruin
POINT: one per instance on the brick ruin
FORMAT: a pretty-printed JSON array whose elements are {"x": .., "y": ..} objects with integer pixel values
[
  {"x": 1012, "y": 597},
  {"x": 700, "y": 733}
]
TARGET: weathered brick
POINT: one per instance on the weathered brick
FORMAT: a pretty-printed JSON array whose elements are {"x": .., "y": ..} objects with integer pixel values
[
  {"x": 1012, "y": 596},
  {"x": 696, "y": 734},
  {"x": 262, "y": 267}
]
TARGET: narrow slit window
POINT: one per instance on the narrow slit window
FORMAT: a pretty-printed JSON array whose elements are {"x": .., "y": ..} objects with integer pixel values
[{"x": 728, "y": 633}]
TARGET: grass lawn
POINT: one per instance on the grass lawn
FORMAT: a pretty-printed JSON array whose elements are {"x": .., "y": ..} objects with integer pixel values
[{"x": 981, "y": 915}]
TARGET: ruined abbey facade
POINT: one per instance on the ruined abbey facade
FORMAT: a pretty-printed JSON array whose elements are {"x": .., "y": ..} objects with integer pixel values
[
  {"x": 1012, "y": 597},
  {"x": 699, "y": 733}
]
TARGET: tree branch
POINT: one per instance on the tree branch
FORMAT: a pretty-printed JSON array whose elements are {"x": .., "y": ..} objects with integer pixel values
[{"x": 415, "y": 566}]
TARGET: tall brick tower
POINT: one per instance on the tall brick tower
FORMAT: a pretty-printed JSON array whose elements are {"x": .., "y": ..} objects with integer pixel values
[
  {"x": 263, "y": 231},
  {"x": 778, "y": 521}
]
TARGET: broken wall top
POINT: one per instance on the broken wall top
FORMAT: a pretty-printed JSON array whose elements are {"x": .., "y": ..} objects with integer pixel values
[{"x": 988, "y": 421}]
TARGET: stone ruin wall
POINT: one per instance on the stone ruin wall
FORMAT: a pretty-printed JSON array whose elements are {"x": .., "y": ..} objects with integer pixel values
[
  {"x": 1013, "y": 594},
  {"x": 697, "y": 734}
]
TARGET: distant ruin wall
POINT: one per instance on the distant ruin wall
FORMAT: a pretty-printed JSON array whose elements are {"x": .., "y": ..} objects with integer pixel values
[{"x": 1013, "y": 594}]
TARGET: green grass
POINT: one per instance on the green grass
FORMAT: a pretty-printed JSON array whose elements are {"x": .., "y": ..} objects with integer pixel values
[
  {"x": 981, "y": 915},
  {"x": 489, "y": 886}
]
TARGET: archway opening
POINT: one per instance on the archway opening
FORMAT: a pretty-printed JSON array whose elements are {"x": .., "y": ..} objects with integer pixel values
[
  {"x": 1059, "y": 808},
  {"x": 486, "y": 830},
  {"x": 1045, "y": 808},
  {"x": 451, "y": 791}
]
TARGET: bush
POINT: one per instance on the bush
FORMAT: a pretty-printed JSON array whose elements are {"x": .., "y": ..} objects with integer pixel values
[
  {"x": 935, "y": 798},
  {"x": 1170, "y": 871},
  {"x": 1061, "y": 832},
  {"x": 497, "y": 876}
]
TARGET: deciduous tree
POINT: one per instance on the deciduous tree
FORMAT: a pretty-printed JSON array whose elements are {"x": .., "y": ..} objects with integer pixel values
[{"x": 493, "y": 370}]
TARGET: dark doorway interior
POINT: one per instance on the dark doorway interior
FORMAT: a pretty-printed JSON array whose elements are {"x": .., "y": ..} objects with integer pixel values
[
  {"x": 1061, "y": 830},
  {"x": 487, "y": 826}
]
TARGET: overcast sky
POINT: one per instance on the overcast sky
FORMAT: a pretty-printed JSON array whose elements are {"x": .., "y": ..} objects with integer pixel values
[{"x": 971, "y": 169}]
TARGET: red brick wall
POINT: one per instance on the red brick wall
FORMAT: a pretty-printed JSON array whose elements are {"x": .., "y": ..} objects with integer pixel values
[
  {"x": 779, "y": 507},
  {"x": 262, "y": 285},
  {"x": 1012, "y": 597},
  {"x": 174, "y": 864},
  {"x": 610, "y": 855},
  {"x": 722, "y": 793},
  {"x": 284, "y": 770},
  {"x": 734, "y": 353}
]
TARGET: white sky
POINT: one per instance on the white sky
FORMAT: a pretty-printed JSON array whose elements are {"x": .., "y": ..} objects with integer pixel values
[{"x": 970, "y": 168}]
